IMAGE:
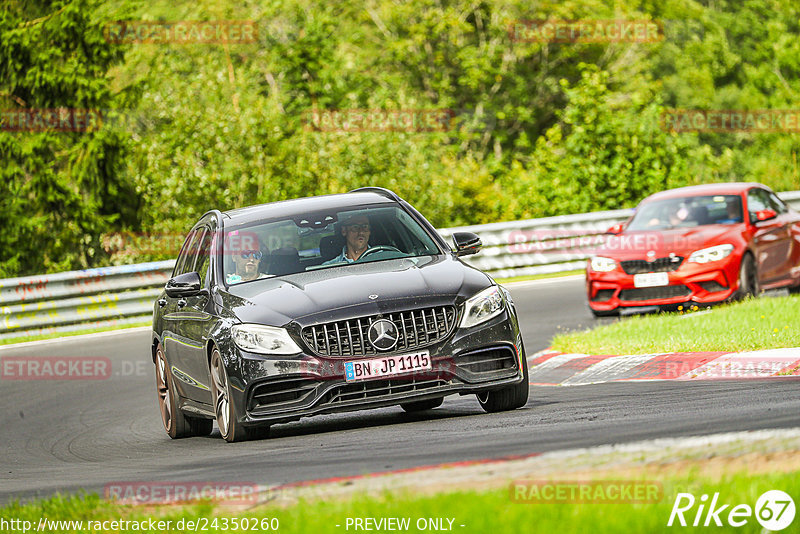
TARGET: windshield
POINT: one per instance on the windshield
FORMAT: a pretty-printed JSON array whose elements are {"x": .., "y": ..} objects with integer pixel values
[
  {"x": 324, "y": 240},
  {"x": 686, "y": 212}
]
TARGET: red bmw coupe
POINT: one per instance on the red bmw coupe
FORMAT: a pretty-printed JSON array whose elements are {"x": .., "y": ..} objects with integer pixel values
[{"x": 700, "y": 244}]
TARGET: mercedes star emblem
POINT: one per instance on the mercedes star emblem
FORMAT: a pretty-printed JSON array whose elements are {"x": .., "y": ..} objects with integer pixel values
[{"x": 382, "y": 334}]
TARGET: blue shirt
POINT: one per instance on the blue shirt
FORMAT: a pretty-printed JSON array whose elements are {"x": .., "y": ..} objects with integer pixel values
[{"x": 341, "y": 258}]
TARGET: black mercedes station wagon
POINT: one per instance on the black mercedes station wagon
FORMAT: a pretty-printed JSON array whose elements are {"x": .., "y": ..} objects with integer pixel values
[{"x": 328, "y": 304}]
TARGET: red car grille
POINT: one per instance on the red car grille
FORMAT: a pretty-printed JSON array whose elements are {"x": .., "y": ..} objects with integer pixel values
[
  {"x": 660, "y": 265},
  {"x": 649, "y": 293}
]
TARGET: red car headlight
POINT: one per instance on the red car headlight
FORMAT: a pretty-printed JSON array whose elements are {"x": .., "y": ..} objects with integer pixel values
[
  {"x": 602, "y": 264},
  {"x": 710, "y": 254}
]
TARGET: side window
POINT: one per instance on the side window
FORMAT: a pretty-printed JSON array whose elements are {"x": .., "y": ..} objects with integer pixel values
[
  {"x": 777, "y": 204},
  {"x": 188, "y": 253},
  {"x": 204, "y": 256},
  {"x": 757, "y": 200}
]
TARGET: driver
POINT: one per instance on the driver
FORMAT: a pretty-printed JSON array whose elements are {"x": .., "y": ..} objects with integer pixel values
[
  {"x": 355, "y": 230},
  {"x": 675, "y": 215}
]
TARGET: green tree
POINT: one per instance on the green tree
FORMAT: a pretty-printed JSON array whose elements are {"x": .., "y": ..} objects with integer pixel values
[
  {"x": 607, "y": 152},
  {"x": 59, "y": 190}
]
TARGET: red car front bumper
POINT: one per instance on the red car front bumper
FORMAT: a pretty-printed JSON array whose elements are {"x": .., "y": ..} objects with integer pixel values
[{"x": 702, "y": 283}]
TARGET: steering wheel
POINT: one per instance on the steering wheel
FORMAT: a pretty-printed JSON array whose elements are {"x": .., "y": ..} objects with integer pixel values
[{"x": 379, "y": 248}]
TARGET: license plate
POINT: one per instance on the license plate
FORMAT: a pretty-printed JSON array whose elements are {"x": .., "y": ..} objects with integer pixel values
[
  {"x": 651, "y": 279},
  {"x": 388, "y": 366}
]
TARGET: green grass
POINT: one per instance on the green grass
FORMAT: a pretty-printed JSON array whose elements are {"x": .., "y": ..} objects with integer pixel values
[
  {"x": 538, "y": 276},
  {"x": 39, "y": 337},
  {"x": 479, "y": 512},
  {"x": 764, "y": 323}
]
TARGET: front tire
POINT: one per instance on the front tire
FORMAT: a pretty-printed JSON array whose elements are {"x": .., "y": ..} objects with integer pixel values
[
  {"x": 176, "y": 423},
  {"x": 230, "y": 428},
  {"x": 748, "y": 279},
  {"x": 227, "y": 418},
  {"x": 508, "y": 398}
]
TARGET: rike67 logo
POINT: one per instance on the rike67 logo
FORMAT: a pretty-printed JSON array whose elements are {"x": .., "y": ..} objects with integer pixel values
[{"x": 774, "y": 511}]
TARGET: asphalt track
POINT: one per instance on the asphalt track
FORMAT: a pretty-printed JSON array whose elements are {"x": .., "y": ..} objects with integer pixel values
[{"x": 70, "y": 435}]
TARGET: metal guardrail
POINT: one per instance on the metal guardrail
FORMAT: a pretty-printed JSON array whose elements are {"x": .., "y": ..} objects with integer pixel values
[
  {"x": 110, "y": 296},
  {"x": 75, "y": 300}
]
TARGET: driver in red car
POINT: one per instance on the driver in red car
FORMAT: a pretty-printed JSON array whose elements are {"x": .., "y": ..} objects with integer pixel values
[
  {"x": 356, "y": 231},
  {"x": 673, "y": 215}
]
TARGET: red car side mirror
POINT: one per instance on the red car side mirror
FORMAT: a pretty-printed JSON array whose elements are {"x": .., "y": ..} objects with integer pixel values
[
  {"x": 615, "y": 229},
  {"x": 765, "y": 215}
]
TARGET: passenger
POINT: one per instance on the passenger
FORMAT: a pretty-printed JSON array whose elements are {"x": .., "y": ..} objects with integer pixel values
[
  {"x": 246, "y": 263},
  {"x": 733, "y": 207}
]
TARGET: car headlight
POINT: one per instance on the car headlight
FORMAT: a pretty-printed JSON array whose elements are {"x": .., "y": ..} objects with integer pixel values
[
  {"x": 482, "y": 307},
  {"x": 711, "y": 254},
  {"x": 263, "y": 339},
  {"x": 603, "y": 265}
]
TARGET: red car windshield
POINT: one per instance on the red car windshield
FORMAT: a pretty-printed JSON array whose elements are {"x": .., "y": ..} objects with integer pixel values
[{"x": 687, "y": 212}]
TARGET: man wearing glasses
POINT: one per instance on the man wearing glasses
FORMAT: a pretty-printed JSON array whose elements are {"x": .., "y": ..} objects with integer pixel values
[
  {"x": 246, "y": 263},
  {"x": 355, "y": 230}
]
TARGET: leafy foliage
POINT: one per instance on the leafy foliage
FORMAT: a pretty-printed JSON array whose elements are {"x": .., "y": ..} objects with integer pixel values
[
  {"x": 59, "y": 191},
  {"x": 538, "y": 128}
]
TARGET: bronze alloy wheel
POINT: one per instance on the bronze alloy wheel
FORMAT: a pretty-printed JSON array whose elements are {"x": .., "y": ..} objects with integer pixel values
[
  {"x": 164, "y": 395},
  {"x": 176, "y": 423},
  {"x": 227, "y": 420}
]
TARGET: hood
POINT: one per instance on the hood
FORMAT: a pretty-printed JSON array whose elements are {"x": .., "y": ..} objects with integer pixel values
[
  {"x": 354, "y": 290},
  {"x": 678, "y": 241}
]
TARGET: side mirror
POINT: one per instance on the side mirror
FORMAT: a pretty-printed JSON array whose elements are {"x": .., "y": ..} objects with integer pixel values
[
  {"x": 466, "y": 243},
  {"x": 183, "y": 285},
  {"x": 616, "y": 229},
  {"x": 765, "y": 215}
]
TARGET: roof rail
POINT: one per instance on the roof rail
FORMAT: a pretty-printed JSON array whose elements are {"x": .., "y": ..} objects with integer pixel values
[{"x": 379, "y": 190}]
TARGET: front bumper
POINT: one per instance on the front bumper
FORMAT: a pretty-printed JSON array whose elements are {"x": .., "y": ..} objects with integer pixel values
[
  {"x": 271, "y": 390},
  {"x": 692, "y": 282}
]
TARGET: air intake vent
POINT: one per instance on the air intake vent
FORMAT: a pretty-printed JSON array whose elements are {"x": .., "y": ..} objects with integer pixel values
[
  {"x": 603, "y": 295},
  {"x": 712, "y": 287},
  {"x": 375, "y": 389},
  {"x": 281, "y": 392},
  {"x": 650, "y": 293},
  {"x": 487, "y": 360}
]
